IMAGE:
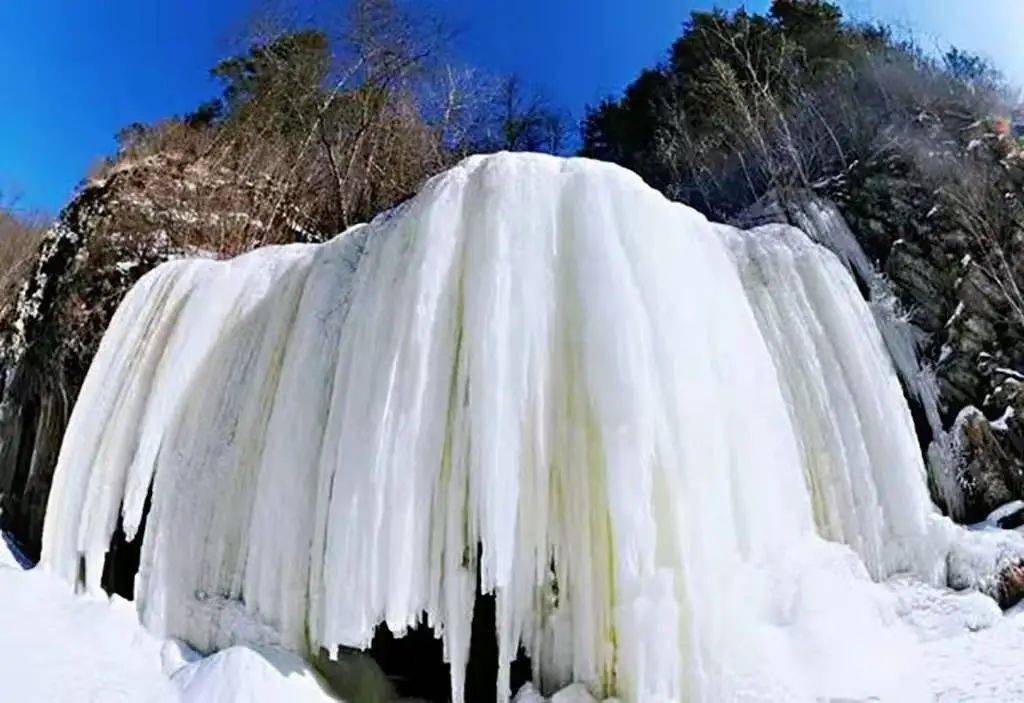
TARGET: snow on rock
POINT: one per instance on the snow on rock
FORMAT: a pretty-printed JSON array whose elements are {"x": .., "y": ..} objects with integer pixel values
[
  {"x": 575, "y": 693},
  {"x": 528, "y": 694},
  {"x": 244, "y": 675},
  {"x": 643, "y": 422},
  {"x": 984, "y": 468},
  {"x": 990, "y": 560},
  {"x": 1008, "y": 515},
  {"x": 936, "y": 613}
]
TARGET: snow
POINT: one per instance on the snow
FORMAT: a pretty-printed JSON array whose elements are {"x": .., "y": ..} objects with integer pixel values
[
  {"x": 957, "y": 314},
  {"x": 970, "y": 650},
  {"x": 58, "y": 646},
  {"x": 978, "y": 667},
  {"x": 1002, "y": 424},
  {"x": 651, "y": 427},
  {"x": 55, "y": 646},
  {"x": 1003, "y": 511},
  {"x": 1009, "y": 373},
  {"x": 576, "y": 693},
  {"x": 936, "y": 614},
  {"x": 244, "y": 675}
]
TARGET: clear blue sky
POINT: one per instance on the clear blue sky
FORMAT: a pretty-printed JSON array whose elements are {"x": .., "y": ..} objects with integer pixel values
[
  {"x": 75, "y": 72},
  {"x": 992, "y": 28}
]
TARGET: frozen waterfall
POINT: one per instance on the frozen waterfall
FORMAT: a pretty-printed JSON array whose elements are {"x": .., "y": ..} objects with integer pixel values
[
  {"x": 861, "y": 460},
  {"x": 632, "y": 426}
]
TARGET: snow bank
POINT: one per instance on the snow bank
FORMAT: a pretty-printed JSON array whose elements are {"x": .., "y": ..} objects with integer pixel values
[
  {"x": 243, "y": 675},
  {"x": 56, "y": 646},
  {"x": 642, "y": 421}
]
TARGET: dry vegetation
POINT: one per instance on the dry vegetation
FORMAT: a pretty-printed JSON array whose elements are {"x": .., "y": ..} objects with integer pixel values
[
  {"x": 750, "y": 106},
  {"x": 20, "y": 237},
  {"x": 320, "y": 128},
  {"x": 923, "y": 154}
]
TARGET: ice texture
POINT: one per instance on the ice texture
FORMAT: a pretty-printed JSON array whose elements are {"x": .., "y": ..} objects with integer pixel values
[
  {"x": 862, "y": 463},
  {"x": 676, "y": 453}
]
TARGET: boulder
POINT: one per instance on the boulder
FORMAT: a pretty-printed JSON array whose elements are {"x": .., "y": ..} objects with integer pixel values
[{"x": 988, "y": 469}]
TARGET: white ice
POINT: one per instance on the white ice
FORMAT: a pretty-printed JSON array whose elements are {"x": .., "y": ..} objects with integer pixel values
[
  {"x": 823, "y": 222},
  {"x": 645, "y": 422},
  {"x": 862, "y": 464}
]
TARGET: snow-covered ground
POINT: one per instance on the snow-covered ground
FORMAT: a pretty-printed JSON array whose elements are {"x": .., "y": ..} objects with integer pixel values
[
  {"x": 55, "y": 646},
  {"x": 981, "y": 667},
  {"x": 970, "y": 650}
]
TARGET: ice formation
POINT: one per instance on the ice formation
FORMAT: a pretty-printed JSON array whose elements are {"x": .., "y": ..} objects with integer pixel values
[
  {"x": 822, "y": 221},
  {"x": 629, "y": 424},
  {"x": 825, "y": 224},
  {"x": 845, "y": 402}
]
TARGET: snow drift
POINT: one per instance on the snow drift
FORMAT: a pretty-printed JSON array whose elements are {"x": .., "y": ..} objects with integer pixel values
[
  {"x": 632, "y": 426},
  {"x": 58, "y": 646}
]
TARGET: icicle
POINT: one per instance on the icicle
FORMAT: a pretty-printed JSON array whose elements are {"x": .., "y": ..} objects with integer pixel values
[
  {"x": 845, "y": 402},
  {"x": 825, "y": 224}
]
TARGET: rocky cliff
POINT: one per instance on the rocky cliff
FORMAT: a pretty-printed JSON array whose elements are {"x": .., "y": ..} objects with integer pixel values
[
  {"x": 956, "y": 266},
  {"x": 116, "y": 229}
]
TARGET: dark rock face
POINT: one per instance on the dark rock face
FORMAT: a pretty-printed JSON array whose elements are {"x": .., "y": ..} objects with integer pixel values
[
  {"x": 113, "y": 232},
  {"x": 920, "y": 280},
  {"x": 976, "y": 354},
  {"x": 46, "y": 347},
  {"x": 884, "y": 205},
  {"x": 965, "y": 305}
]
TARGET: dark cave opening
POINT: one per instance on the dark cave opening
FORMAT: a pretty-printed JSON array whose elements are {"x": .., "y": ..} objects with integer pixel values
[
  {"x": 922, "y": 428},
  {"x": 413, "y": 664},
  {"x": 482, "y": 669},
  {"x": 415, "y": 667},
  {"x": 122, "y": 560}
]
